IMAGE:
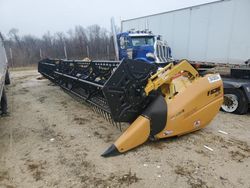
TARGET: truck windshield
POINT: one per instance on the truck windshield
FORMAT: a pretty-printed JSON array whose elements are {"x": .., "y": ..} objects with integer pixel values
[{"x": 142, "y": 41}]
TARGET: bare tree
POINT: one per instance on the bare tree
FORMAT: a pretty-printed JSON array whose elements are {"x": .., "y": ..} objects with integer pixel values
[{"x": 28, "y": 49}]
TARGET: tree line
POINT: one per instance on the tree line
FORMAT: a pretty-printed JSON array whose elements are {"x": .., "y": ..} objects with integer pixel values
[{"x": 93, "y": 42}]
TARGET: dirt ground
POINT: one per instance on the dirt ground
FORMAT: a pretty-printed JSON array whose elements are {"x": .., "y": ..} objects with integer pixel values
[{"x": 52, "y": 140}]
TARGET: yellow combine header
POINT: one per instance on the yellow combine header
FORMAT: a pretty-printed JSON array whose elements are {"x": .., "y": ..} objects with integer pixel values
[{"x": 157, "y": 102}]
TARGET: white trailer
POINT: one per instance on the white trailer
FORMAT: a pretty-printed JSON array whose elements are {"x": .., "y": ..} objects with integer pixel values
[
  {"x": 4, "y": 77},
  {"x": 217, "y": 32}
]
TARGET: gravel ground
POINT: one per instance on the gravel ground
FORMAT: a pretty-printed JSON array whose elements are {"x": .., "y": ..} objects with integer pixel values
[{"x": 52, "y": 140}]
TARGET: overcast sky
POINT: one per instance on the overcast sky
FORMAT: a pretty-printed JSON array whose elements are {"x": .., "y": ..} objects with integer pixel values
[{"x": 39, "y": 16}]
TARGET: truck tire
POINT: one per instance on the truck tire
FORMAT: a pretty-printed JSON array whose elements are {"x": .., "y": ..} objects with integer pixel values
[
  {"x": 7, "y": 78},
  {"x": 235, "y": 101},
  {"x": 4, "y": 103}
]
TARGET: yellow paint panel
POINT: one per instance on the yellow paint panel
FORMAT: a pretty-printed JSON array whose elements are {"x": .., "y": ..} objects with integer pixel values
[
  {"x": 135, "y": 135},
  {"x": 193, "y": 107}
]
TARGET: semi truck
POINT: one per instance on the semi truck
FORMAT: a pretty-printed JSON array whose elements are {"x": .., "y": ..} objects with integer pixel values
[{"x": 141, "y": 45}]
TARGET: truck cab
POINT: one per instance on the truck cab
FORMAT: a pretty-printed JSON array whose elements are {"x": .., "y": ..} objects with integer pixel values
[{"x": 143, "y": 45}]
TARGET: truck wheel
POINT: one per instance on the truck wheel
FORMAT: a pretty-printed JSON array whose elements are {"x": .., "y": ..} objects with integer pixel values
[
  {"x": 234, "y": 101},
  {"x": 3, "y": 103},
  {"x": 7, "y": 78}
]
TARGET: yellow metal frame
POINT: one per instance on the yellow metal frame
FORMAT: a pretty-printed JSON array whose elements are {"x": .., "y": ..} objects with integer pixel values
[{"x": 166, "y": 75}]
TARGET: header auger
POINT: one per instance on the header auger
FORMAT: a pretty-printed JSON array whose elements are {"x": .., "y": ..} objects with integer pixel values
[{"x": 157, "y": 102}]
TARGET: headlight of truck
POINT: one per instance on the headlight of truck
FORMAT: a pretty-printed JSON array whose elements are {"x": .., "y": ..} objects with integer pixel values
[
  {"x": 150, "y": 56},
  {"x": 130, "y": 53},
  {"x": 248, "y": 89}
]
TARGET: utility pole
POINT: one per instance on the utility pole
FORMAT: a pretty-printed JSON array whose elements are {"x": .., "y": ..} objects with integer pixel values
[
  {"x": 41, "y": 54},
  {"x": 108, "y": 51},
  {"x": 11, "y": 58},
  {"x": 65, "y": 50},
  {"x": 87, "y": 51}
]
